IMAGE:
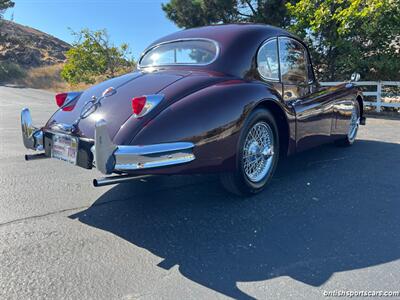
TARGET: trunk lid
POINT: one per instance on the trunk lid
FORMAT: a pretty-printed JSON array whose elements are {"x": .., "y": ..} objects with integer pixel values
[{"x": 117, "y": 108}]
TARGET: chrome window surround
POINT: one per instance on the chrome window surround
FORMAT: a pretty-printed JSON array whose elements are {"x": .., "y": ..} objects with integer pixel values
[
  {"x": 311, "y": 78},
  {"x": 277, "y": 55},
  {"x": 180, "y": 64}
]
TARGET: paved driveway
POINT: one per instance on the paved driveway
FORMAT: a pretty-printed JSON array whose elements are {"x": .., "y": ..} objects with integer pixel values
[{"x": 328, "y": 221}]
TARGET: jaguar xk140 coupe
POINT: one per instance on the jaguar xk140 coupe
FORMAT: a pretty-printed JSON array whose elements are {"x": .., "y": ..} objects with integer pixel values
[{"x": 229, "y": 99}]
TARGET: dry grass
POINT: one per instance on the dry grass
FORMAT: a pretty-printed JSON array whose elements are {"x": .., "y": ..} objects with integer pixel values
[
  {"x": 45, "y": 78},
  {"x": 48, "y": 78}
]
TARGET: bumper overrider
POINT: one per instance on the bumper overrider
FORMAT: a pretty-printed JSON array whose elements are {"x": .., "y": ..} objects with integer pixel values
[{"x": 103, "y": 154}]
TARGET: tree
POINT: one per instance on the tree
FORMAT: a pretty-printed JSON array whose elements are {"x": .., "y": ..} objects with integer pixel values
[
  {"x": 343, "y": 35},
  {"x": 353, "y": 35},
  {"x": 4, "y": 4},
  {"x": 193, "y": 13},
  {"x": 93, "y": 55}
]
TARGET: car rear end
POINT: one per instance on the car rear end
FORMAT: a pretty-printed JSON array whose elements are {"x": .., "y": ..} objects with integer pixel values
[{"x": 96, "y": 128}]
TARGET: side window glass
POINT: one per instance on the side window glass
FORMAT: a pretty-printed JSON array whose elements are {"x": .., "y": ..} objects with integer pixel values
[
  {"x": 293, "y": 61},
  {"x": 267, "y": 61}
]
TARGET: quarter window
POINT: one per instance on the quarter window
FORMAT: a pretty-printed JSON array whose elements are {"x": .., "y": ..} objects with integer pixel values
[
  {"x": 267, "y": 61},
  {"x": 293, "y": 61}
]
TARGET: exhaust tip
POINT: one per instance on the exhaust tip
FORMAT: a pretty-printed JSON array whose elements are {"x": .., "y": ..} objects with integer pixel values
[
  {"x": 117, "y": 179},
  {"x": 35, "y": 156}
]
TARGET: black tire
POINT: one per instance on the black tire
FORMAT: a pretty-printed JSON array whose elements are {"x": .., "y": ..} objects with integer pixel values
[
  {"x": 348, "y": 140},
  {"x": 238, "y": 182}
]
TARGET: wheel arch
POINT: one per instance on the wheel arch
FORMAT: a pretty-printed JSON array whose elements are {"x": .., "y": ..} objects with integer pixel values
[{"x": 281, "y": 120}]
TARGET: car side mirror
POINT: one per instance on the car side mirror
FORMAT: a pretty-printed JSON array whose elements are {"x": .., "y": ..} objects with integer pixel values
[{"x": 355, "y": 77}]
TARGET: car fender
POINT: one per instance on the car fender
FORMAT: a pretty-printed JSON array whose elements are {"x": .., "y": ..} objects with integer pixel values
[{"x": 210, "y": 118}]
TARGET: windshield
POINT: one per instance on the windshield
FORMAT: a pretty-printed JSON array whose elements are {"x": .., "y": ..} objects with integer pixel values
[{"x": 183, "y": 52}]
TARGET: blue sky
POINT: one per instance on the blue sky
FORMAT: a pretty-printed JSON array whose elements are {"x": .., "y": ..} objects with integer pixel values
[{"x": 137, "y": 22}]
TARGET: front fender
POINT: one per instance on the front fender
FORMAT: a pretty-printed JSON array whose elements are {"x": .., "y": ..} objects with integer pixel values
[{"x": 211, "y": 119}]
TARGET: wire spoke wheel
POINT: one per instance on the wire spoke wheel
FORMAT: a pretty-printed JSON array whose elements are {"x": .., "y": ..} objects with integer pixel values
[
  {"x": 258, "y": 152},
  {"x": 354, "y": 124}
]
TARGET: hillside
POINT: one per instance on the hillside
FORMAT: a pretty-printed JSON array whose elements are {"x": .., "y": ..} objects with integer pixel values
[{"x": 28, "y": 47}]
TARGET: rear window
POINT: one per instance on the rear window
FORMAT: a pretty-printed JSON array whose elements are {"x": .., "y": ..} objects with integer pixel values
[{"x": 184, "y": 52}]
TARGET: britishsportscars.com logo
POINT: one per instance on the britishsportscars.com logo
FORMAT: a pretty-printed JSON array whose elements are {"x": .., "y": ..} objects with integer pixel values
[{"x": 360, "y": 293}]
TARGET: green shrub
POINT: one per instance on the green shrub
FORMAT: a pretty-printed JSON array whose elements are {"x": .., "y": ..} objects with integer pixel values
[
  {"x": 10, "y": 71},
  {"x": 92, "y": 56}
]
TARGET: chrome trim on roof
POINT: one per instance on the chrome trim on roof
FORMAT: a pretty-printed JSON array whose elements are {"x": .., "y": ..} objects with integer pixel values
[{"x": 179, "y": 64}]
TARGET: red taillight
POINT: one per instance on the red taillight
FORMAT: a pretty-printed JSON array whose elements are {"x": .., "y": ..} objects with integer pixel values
[
  {"x": 60, "y": 99},
  {"x": 138, "y": 104},
  {"x": 68, "y": 107},
  {"x": 142, "y": 105}
]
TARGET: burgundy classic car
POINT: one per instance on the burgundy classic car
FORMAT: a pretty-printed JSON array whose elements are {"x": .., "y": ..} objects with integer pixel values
[{"x": 231, "y": 99}]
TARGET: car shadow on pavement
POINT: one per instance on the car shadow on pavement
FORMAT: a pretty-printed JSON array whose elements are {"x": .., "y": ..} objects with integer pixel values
[{"x": 327, "y": 210}]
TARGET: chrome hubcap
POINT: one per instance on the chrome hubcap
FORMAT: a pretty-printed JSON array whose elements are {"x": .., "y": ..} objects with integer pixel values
[
  {"x": 258, "y": 152},
  {"x": 354, "y": 124}
]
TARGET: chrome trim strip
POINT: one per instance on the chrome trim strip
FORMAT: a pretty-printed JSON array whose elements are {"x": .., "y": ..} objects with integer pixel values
[
  {"x": 218, "y": 50},
  {"x": 153, "y": 149},
  {"x": 152, "y": 156},
  {"x": 169, "y": 160}
]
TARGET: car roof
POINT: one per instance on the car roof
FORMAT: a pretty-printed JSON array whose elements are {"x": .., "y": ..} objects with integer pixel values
[
  {"x": 238, "y": 43},
  {"x": 223, "y": 33}
]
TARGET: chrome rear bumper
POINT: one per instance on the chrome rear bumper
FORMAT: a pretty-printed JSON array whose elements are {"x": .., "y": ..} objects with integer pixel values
[{"x": 109, "y": 158}]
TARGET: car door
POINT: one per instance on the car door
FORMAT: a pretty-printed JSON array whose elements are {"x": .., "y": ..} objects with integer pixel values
[{"x": 313, "y": 107}]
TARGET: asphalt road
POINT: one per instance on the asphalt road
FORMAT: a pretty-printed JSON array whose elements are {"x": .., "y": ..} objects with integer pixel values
[{"x": 328, "y": 221}]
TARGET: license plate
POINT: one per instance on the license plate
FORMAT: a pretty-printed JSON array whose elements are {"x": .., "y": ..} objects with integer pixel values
[{"x": 65, "y": 148}]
